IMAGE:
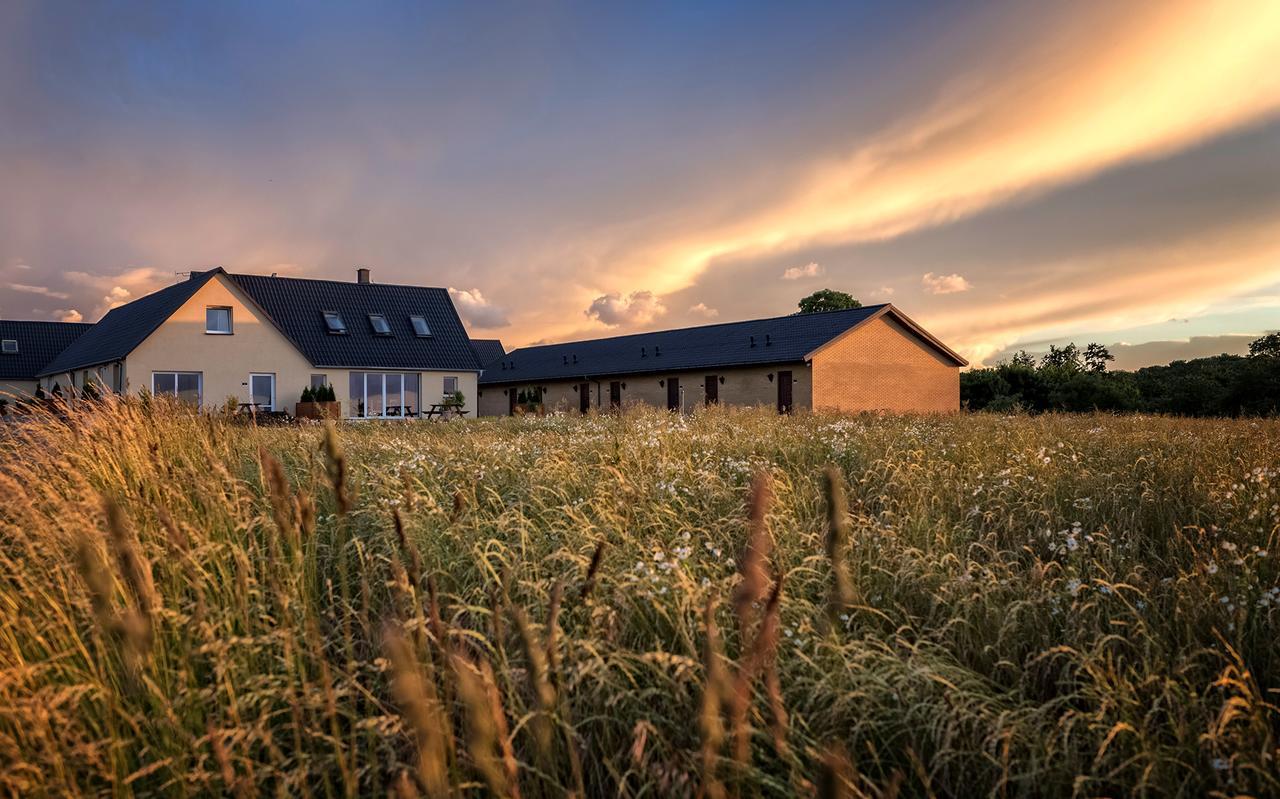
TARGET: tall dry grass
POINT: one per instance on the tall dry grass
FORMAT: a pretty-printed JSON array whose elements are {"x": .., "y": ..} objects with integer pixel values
[{"x": 639, "y": 605}]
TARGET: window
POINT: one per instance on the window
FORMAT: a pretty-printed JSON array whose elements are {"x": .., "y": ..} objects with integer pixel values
[
  {"x": 262, "y": 391},
  {"x": 450, "y": 385},
  {"x": 186, "y": 386},
  {"x": 386, "y": 394},
  {"x": 10, "y": 346},
  {"x": 380, "y": 326},
  {"x": 334, "y": 322},
  {"x": 420, "y": 328},
  {"x": 217, "y": 320},
  {"x": 319, "y": 381}
]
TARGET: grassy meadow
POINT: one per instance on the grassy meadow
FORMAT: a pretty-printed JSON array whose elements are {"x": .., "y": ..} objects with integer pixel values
[{"x": 640, "y": 605}]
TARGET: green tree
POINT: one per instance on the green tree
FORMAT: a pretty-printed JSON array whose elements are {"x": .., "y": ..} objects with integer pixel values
[
  {"x": 1266, "y": 347},
  {"x": 1096, "y": 357},
  {"x": 828, "y": 300},
  {"x": 1066, "y": 357},
  {"x": 1024, "y": 358}
]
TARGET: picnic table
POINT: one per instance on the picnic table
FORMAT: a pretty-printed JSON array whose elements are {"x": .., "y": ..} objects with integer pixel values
[{"x": 438, "y": 409}]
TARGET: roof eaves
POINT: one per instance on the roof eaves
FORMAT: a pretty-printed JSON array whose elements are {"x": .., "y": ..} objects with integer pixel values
[
  {"x": 907, "y": 322},
  {"x": 199, "y": 281}
]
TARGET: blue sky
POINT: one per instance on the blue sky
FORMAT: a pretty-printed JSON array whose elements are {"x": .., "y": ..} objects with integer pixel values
[{"x": 1009, "y": 174}]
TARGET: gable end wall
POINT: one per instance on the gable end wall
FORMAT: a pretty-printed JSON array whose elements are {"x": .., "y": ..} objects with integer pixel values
[{"x": 884, "y": 366}]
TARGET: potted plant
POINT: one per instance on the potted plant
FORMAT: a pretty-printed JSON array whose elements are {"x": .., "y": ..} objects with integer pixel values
[
  {"x": 454, "y": 403},
  {"x": 319, "y": 402}
]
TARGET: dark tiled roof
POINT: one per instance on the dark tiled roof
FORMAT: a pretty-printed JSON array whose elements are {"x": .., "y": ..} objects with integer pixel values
[
  {"x": 488, "y": 350},
  {"x": 781, "y": 339},
  {"x": 124, "y": 328},
  {"x": 297, "y": 306},
  {"x": 38, "y": 344}
]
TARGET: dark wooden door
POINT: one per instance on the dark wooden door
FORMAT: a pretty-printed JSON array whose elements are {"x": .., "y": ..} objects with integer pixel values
[
  {"x": 615, "y": 394},
  {"x": 512, "y": 394},
  {"x": 584, "y": 397},
  {"x": 712, "y": 390},
  {"x": 673, "y": 394},
  {"x": 784, "y": 392}
]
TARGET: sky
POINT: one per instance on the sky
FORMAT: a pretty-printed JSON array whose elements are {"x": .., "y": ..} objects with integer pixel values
[{"x": 1008, "y": 174}]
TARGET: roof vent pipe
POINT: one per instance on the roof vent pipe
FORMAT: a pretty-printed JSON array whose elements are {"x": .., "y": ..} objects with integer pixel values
[{"x": 362, "y": 275}]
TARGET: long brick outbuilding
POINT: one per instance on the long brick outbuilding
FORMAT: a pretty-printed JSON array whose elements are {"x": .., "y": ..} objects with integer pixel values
[{"x": 862, "y": 359}]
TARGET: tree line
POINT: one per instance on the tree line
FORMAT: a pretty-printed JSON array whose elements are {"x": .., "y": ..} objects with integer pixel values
[{"x": 1070, "y": 379}]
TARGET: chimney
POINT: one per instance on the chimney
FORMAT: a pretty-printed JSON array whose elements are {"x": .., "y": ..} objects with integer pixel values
[{"x": 362, "y": 275}]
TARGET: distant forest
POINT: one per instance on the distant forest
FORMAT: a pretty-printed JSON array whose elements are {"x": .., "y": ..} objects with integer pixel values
[{"x": 1070, "y": 379}]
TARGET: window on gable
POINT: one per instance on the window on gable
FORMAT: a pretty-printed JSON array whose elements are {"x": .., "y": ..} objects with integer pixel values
[
  {"x": 10, "y": 346},
  {"x": 333, "y": 321},
  {"x": 420, "y": 328},
  {"x": 380, "y": 326},
  {"x": 217, "y": 320}
]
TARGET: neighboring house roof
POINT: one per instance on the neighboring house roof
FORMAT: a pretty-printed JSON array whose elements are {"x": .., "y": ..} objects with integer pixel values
[
  {"x": 38, "y": 344},
  {"x": 755, "y": 342},
  {"x": 488, "y": 350},
  {"x": 297, "y": 308},
  {"x": 124, "y": 328}
]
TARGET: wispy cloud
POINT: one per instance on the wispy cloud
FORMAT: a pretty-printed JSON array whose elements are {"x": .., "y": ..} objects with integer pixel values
[
  {"x": 944, "y": 284},
  {"x": 45, "y": 290},
  {"x": 702, "y": 310},
  {"x": 1108, "y": 87},
  {"x": 68, "y": 315},
  {"x": 810, "y": 269},
  {"x": 1145, "y": 286}
]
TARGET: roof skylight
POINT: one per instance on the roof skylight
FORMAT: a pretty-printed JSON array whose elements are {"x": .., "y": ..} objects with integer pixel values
[{"x": 334, "y": 322}]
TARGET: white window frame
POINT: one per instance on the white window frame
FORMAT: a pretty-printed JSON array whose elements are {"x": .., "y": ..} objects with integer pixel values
[
  {"x": 413, "y": 322},
  {"x": 199, "y": 384},
  {"x": 378, "y": 382},
  {"x": 271, "y": 375},
  {"x": 445, "y": 386},
  {"x": 5, "y": 349},
  {"x": 231, "y": 323}
]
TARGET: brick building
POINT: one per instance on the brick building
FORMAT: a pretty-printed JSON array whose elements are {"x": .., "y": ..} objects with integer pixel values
[{"x": 869, "y": 358}]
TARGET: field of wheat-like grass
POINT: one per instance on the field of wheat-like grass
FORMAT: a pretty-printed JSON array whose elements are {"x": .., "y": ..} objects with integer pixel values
[{"x": 724, "y": 604}]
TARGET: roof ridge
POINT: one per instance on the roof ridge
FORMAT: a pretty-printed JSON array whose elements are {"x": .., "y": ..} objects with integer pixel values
[
  {"x": 43, "y": 322},
  {"x": 336, "y": 281},
  {"x": 704, "y": 327}
]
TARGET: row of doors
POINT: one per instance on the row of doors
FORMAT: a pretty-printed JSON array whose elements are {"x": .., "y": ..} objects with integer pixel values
[{"x": 711, "y": 393}]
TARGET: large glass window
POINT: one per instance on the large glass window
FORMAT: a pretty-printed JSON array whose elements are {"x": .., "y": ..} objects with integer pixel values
[
  {"x": 384, "y": 394},
  {"x": 186, "y": 386},
  {"x": 262, "y": 389},
  {"x": 355, "y": 393},
  {"x": 411, "y": 405},
  {"x": 319, "y": 381},
  {"x": 393, "y": 391},
  {"x": 450, "y": 385},
  {"x": 217, "y": 320}
]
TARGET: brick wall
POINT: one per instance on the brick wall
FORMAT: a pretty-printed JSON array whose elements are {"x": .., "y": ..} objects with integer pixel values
[
  {"x": 884, "y": 366},
  {"x": 742, "y": 387}
]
